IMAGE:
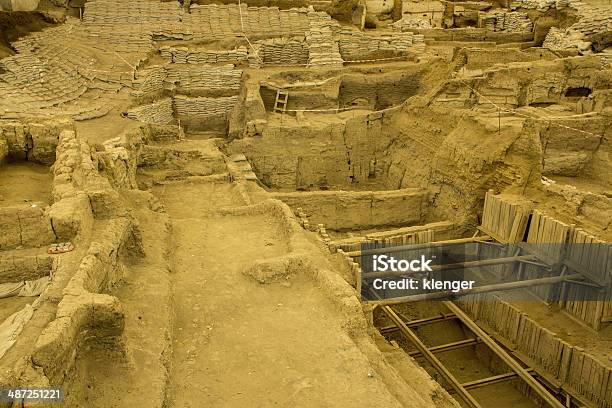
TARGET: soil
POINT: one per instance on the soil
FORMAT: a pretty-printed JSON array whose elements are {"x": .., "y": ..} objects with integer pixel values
[
  {"x": 238, "y": 342},
  {"x": 196, "y": 297},
  {"x": 24, "y": 181}
]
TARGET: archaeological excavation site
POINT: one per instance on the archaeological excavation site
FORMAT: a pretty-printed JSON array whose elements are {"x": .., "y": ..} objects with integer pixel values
[{"x": 306, "y": 203}]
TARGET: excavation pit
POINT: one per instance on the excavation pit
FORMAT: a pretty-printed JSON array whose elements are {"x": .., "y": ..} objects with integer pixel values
[
  {"x": 22, "y": 210},
  {"x": 221, "y": 170}
]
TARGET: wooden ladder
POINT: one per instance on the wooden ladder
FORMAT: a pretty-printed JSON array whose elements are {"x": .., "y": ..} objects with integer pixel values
[{"x": 280, "y": 105}]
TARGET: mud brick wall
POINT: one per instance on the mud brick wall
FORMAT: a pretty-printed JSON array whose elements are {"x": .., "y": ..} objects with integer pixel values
[
  {"x": 591, "y": 20},
  {"x": 281, "y": 51},
  {"x": 203, "y": 111},
  {"x": 520, "y": 86},
  {"x": 184, "y": 55},
  {"x": 85, "y": 309},
  {"x": 543, "y": 5},
  {"x": 31, "y": 141},
  {"x": 25, "y": 226},
  {"x": 378, "y": 92},
  {"x": 15, "y": 268},
  {"x": 4, "y": 151},
  {"x": 355, "y": 45},
  {"x": 159, "y": 112},
  {"x": 481, "y": 58},
  {"x": 473, "y": 34},
  {"x": 346, "y": 210},
  {"x": 512, "y": 22},
  {"x": 336, "y": 155}
]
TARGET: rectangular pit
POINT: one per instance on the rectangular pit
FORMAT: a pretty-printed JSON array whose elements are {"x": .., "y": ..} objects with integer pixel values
[{"x": 359, "y": 210}]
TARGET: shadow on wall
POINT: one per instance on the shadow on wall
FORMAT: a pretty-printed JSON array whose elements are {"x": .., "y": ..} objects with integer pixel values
[
  {"x": 375, "y": 91},
  {"x": 17, "y": 24},
  {"x": 381, "y": 93},
  {"x": 281, "y": 4}
]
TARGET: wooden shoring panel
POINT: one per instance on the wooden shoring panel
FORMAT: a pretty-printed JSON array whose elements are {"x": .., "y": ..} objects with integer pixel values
[
  {"x": 523, "y": 373},
  {"x": 543, "y": 350},
  {"x": 418, "y": 234},
  {"x": 504, "y": 219},
  {"x": 548, "y": 237},
  {"x": 590, "y": 256}
]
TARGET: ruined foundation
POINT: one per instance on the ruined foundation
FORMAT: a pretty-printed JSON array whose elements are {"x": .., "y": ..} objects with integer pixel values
[{"x": 194, "y": 196}]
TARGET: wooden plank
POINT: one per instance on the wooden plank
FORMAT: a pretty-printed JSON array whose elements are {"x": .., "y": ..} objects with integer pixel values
[
  {"x": 492, "y": 380},
  {"x": 534, "y": 228},
  {"x": 436, "y": 244},
  {"x": 449, "y": 346},
  {"x": 538, "y": 388},
  {"x": 429, "y": 356},
  {"x": 420, "y": 322},
  {"x": 566, "y": 359}
]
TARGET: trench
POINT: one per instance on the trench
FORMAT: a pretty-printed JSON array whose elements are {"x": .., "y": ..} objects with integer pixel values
[
  {"x": 469, "y": 361},
  {"x": 233, "y": 339}
]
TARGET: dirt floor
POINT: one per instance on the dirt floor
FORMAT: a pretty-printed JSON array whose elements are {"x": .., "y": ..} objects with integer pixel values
[
  {"x": 24, "y": 181},
  {"x": 237, "y": 341}
]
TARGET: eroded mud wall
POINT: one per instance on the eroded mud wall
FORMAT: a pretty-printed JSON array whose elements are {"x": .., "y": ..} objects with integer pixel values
[
  {"x": 343, "y": 210},
  {"x": 334, "y": 154}
]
